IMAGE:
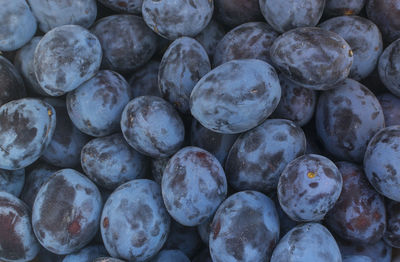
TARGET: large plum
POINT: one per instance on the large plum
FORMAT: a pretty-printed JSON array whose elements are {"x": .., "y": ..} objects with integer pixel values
[
  {"x": 258, "y": 157},
  {"x": 26, "y": 128},
  {"x": 389, "y": 67},
  {"x": 134, "y": 223},
  {"x": 245, "y": 228},
  {"x": 346, "y": 118},
  {"x": 312, "y": 57},
  {"x": 309, "y": 187},
  {"x": 193, "y": 186},
  {"x": 236, "y": 96}
]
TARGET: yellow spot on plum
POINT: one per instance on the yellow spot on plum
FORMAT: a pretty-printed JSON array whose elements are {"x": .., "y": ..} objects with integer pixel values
[{"x": 311, "y": 175}]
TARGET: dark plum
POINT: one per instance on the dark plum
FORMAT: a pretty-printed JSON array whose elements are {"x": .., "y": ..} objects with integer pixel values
[
  {"x": 17, "y": 24},
  {"x": 182, "y": 65},
  {"x": 12, "y": 181},
  {"x": 391, "y": 108},
  {"x": 236, "y": 96},
  {"x": 284, "y": 15},
  {"x": 307, "y": 242},
  {"x": 170, "y": 255},
  {"x": 386, "y": 15},
  {"x": 392, "y": 234},
  {"x": 389, "y": 67},
  {"x": 109, "y": 161},
  {"x": 152, "y": 126},
  {"x": 381, "y": 162},
  {"x": 157, "y": 167},
  {"x": 144, "y": 81},
  {"x": 193, "y": 185},
  {"x": 51, "y": 14},
  {"x": 236, "y": 12},
  {"x": 66, "y": 57},
  {"x": 297, "y": 103},
  {"x": 124, "y": 6},
  {"x": 134, "y": 223},
  {"x": 172, "y": 19},
  {"x": 357, "y": 259},
  {"x": 258, "y": 157},
  {"x": 359, "y": 214},
  {"x": 17, "y": 241},
  {"x": 26, "y": 128},
  {"x": 378, "y": 251},
  {"x": 364, "y": 38},
  {"x": 249, "y": 40},
  {"x": 34, "y": 180},
  {"x": 23, "y": 61},
  {"x": 245, "y": 228},
  {"x": 65, "y": 148},
  {"x": 66, "y": 212},
  {"x": 346, "y": 118},
  {"x": 309, "y": 187},
  {"x": 216, "y": 143},
  {"x": 210, "y": 36},
  {"x": 343, "y": 7},
  {"x": 96, "y": 106},
  {"x": 126, "y": 41},
  {"x": 11, "y": 83},
  {"x": 312, "y": 57},
  {"x": 86, "y": 254},
  {"x": 185, "y": 239}
]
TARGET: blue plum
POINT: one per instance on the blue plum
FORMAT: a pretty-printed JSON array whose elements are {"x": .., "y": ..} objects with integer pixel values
[
  {"x": 245, "y": 228},
  {"x": 86, "y": 254},
  {"x": 27, "y": 126},
  {"x": 392, "y": 234},
  {"x": 172, "y": 19},
  {"x": 109, "y": 161},
  {"x": 185, "y": 239},
  {"x": 386, "y": 15},
  {"x": 35, "y": 178},
  {"x": 12, "y": 181},
  {"x": 297, "y": 103},
  {"x": 284, "y": 15},
  {"x": 126, "y": 41},
  {"x": 364, "y": 38},
  {"x": 391, "y": 108},
  {"x": 359, "y": 214},
  {"x": 182, "y": 65},
  {"x": 381, "y": 162},
  {"x": 236, "y": 12},
  {"x": 357, "y": 259},
  {"x": 144, "y": 81},
  {"x": 378, "y": 251},
  {"x": 193, "y": 185},
  {"x": 67, "y": 142},
  {"x": 17, "y": 241},
  {"x": 249, "y": 40},
  {"x": 66, "y": 57},
  {"x": 236, "y": 96},
  {"x": 312, "y": 57},
  {"x": 343, "y": 7},
  {"x": 346, "y": 118},
  {"x": 389, "y": 67},
  {"x": 307, "y": 242},
  {"x": 216, "y": 143},
  {"x": 17, "y": 24},
  {"x": 11, "y": 83},
  {"x": 258, "y": 157},
  {"x": 210, "y": 36},
  {"x": 309, "y": 187},
  {"x": 134, "y": 223},
  {"x": 124, "y": 6},
  {"x": 170, "y": 256},
  {"x": 95, "y": 107},
  {"x": 66, "y": 212},
  {"x": 24, "y": 62},
  {"x": 152, "y": 126},
  {"x": 157, "y": 167},
  {"x": 51, "y": 14}
]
